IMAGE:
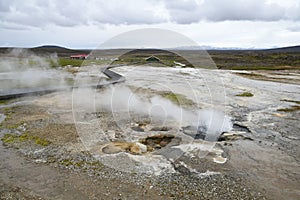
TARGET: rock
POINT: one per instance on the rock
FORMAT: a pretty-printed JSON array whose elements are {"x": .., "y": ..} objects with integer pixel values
[
  {"x": 195, "y": 132},
  {"x": 111, "y": 149},
  {"x": 135, "y": 149},
  {"x": 159, "y": 141},
  {"x": 233, "y": 137},
  {"x": 163, "y": 143},
  {"x": 239, "y": 127},
  {"x": 147, "y": 144},
  {"x": 142, "y": 147},
  {"x": 164, "y": 128},
  {"x": 117, "y": 147},
  {"x": 138, "y": 148},
  {"x": 220, "y": 160},
  {"x": 175, "y": 141},
  {"x": 137, "y": 128}
]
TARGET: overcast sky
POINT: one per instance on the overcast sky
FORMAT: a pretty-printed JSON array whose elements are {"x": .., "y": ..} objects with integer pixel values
[{"x": 88, "y": 23}]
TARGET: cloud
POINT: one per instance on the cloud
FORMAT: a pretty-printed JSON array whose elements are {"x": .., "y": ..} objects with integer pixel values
[
  {"x": 87, "y": 23},
  {"x": 70, "y": 13},
  {"x": 295, "y": 28},
  {"x": 191, "y": 11},
  {"x": 74, "y": 13}
]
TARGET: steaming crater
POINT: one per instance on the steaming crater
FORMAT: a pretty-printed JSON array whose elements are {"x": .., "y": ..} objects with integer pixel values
[
  {"x": 131, "y": 127},
  {"x": 124, "y": 129}
]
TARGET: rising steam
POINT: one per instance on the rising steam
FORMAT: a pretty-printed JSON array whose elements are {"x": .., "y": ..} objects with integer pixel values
[
  {"x": 20, "y": 68},
  {"x": 118, "y": 99}
]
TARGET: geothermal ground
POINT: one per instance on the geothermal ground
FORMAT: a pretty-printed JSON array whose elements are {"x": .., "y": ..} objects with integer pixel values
[{"x": 137, "y": 139}]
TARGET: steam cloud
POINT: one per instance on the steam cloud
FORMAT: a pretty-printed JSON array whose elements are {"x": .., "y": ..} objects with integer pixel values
[
  {"x": 23, "y": 69},
  {"x": 117, "y": 99}
]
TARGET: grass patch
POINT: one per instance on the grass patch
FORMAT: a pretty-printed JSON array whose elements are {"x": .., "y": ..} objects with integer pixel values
[
  {"x": 3, "y": 102},
  {"x": 65, "y": 61},
  {"x": 11, "y": 126},
  {"x": 289, "y": 109},
  {"x": 292, "y": 101},
  {"x": 178, "y": 99},
  {"x": 77, "y": 63},
  {"x": 245, "y": 94},
  {"x": 10, "y": 138},
  {"x": 9, "y": 112},
  {"x": 139, "y": 56},
  {"x": 262, "y": 67},
  {"x": 255, "y": 60},
  {"x": 249, "y": 74}
]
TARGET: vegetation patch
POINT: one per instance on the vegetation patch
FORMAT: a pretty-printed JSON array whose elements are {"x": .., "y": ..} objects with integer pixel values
[
  {"x": 8, "y": 112},
  {"x": 289, "y": 109},
  {"x": 178, "y": 99},
  {"x": 3, "y": 101},
  {"x": 139, "y": 56},
  {"x": 245, "y": 94},
  {"x": 254, "y": 75},
  {"x": 255, "y": 60},
  {"x": 66, "y": 61},
  {"x": 77, "y": 62},
  {"x": 10, "y": 138},
  {"x": 292, "y": 101}
]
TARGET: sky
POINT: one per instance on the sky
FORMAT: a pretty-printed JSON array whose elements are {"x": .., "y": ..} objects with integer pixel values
[{"x": 89, "y": 23}]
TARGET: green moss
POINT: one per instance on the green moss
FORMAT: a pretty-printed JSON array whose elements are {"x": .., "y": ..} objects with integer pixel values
[
  {"x": 8, "y": 112},
  {"x": 11, "y": 126},
  {"x": 9, "y": 138},
  {"x": 260, "y": 67},
  {"x": 178, "y": 99},
  {"x": 245, "y": 94},
  {"x": 76, "y": 62},
  {"x": 66, "y": 61},
  {"x": 3, "y": 102},
  {"x": 249, "y": 74},
  {"x": 66, "y": 162},
  {"x": 290, "y": 109},
  {"x": 8, "y": 109},
  {"x": 42, "y": 142},
  {"x": 292, "y": 101}
]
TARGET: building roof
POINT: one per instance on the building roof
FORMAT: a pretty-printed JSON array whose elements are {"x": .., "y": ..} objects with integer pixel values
[
  {"x": 79, "y": 56},
  {"x": 152, "y": 58}
]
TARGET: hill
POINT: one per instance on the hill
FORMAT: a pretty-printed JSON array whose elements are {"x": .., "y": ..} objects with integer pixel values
[
  {"x": 291, "y": 49},
  {"x": 48, "y": 49},
  {"x": 61, "y": 51}
]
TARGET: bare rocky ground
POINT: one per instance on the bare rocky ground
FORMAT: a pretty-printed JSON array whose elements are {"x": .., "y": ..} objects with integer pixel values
[{"x": 45, "y": 156}]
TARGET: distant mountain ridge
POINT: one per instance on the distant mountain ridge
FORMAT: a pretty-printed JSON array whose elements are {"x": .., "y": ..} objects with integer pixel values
[
  {"x": 48, "y": 49},
  {"x": 63, "y": 51},
  {"x": 285, "y": 49},
  {"x": 209, "y": 48},
  {"x": 206, "y": 47}
]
